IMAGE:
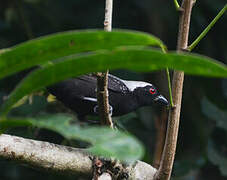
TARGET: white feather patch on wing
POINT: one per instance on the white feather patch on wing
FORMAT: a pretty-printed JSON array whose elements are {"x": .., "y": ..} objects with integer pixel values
[
  {"x": 90, "y": 99},
  {"x": 132, "y": 85}
]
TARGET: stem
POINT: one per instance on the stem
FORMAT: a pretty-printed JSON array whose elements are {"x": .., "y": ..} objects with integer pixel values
[
  {"x": 176, "y": 5},
  {"x": 164, "y": 50},
  {"x": 168, "y": 155},
  {"x": 170, "y": 89},
  {"x": 207, "y": 29}
]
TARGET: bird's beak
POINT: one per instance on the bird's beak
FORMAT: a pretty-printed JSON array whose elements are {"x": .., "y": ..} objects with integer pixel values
[{"x": 161, "y": 100}]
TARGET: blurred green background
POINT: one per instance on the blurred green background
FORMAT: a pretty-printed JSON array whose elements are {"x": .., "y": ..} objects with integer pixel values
[{"x": 202, "y": 144}]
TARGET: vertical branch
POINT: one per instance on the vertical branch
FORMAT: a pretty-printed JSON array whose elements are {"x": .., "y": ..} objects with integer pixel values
[
  {"x": 160, "y": 125},
  {"x": 102, "y": 78},
  {"x": 108, "y": 15},
  {"x": 168, "y": 155},
  {"x": 103, "y": 101}
]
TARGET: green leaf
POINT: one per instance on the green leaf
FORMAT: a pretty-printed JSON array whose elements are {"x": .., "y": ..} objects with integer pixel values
[
  {"x": 217, "y": 157},
  {"x": 10, "y": 123},
  {"x": 134, "y": 58},
  {"x": 104, "y": 141},
  {"x": 214, "y": 113},
  {"x": 41, "y": 50}
]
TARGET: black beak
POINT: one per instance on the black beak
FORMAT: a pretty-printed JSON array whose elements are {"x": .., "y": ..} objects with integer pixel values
[{"x": 161, "y": 100}]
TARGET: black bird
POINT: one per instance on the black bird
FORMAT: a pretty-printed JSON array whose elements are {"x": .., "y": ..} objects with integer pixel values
[{"x": 79, "y": 94}]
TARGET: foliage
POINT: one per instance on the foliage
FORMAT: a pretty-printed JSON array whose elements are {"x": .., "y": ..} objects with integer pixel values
[
  {"x": 104, "y": 142},
  {"x": 73, "y": 65}
]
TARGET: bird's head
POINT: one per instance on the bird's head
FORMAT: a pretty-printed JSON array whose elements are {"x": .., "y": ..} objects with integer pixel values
[{"x": 148, "y": 94}]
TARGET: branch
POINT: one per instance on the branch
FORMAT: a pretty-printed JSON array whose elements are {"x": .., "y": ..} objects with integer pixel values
[
  {"x": 108, "y": 15},
  {"x": 160, "y": 126},
  {"x": 103, "y": 100},
  {"x": 57, "y": 158},
  {"x": 207, "y": 29},
  {"x": 168, "y": 155},
  {"x": 44, "y": 155},
  {"x": 102, "y": 78}
]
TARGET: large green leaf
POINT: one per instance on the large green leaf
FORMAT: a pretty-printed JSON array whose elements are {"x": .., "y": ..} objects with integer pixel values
[
  {"x": 214, "y": 113},
  {"x": 217, "y": 156},
  {"x": 104, "y": 141},
  {"x": 137, "y": 59},
  {"x": 47, "y": 48}
]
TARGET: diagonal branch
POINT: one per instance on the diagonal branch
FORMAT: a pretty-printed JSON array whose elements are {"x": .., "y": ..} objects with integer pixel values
[{"x": 207, "y": 29}]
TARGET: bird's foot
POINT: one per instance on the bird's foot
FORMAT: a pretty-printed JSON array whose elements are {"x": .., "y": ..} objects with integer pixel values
[{"x": 96, "y": 110}]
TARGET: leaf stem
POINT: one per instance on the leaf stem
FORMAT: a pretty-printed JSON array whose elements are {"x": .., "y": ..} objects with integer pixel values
[
  {"x": 206, "y": 30},
  {"x": 176, "y": 4},
  {"x": 170, "y": 89},
  {"x": 164, "y": 50}
]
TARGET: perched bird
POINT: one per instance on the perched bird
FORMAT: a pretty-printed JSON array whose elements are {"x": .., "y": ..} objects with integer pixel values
[{"x": 79, "y": 95}]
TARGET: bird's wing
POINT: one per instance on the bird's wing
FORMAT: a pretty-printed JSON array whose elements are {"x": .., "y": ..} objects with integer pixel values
[
  {"x": 114, "y": 83},
  {"x": 73, "y": 88},
  {"x": 84, "y": 87}
]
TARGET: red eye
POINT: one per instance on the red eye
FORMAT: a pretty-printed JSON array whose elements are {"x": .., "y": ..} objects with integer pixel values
[{"x": 152, "y": 91}]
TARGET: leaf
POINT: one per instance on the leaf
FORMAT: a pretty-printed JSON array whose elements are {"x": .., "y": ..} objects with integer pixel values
[
  {"x": 105, "y": 141},
  {"x": 217, "y": 157},
  {"x": 5, "y": 124},
  {"x": 41, "y": 50},
  {"x": 214, "y": 113},
  {"x": 134, "y": 58}
]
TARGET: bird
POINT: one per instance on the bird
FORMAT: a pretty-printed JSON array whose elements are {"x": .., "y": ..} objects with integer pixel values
[{"x": 79, "y": 95}]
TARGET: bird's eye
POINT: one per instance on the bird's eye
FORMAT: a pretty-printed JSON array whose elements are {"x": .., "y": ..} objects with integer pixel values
[{"x": 152, "y": 90}]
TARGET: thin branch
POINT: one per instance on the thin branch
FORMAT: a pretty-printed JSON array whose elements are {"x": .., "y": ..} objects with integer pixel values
[
  {"x": 170, "y": 88},
  {"x": 102, "y": 78},
  {"x": 207, "y": 29},
  {"x": 164, "y": 50},
  {"x": 108, "y": 15},
  {"x": 103, "y": 101},
  {"x": 164, "y": 172},
  {"x": 57, "y": 158},
  {"x": 160, "y": 126}
]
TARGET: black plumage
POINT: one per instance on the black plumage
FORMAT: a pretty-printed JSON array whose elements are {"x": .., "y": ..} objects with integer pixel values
[{"x": 79, "y": 94}]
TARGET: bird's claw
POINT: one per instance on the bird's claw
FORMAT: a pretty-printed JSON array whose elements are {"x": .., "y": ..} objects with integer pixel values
[{"x": 96, "y": 110}]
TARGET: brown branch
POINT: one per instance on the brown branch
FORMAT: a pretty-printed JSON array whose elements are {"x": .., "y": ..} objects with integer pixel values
[
  {"x": 103, "y": 100},
  {"x": 102, "y": 78},
  {"x": 67, "y": 160},
  {"x": 44, "y": 155},
  {"x": 166, "y": 165},
  {"x": 160, "y": 125}
]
